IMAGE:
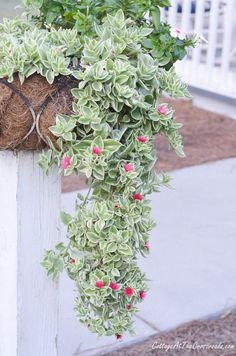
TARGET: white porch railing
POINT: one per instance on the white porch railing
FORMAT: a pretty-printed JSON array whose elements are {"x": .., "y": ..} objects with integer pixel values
[{"x": 211, "y": 66}]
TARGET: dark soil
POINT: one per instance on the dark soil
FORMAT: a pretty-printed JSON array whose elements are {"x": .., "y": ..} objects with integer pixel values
[{"x": 207, "y": 137}]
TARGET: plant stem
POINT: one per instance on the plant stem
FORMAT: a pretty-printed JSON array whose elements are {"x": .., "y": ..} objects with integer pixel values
[{"x": 87, "y": 195}]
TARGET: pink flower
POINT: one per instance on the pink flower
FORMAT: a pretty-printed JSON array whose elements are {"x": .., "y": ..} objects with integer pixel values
[
  {"x": 65, "y": 162},
  {"x": 137, "y": 196},
  {"x": 129, "y": 292},
  {"x": 142, "y": 139},
  {"x": 128, "y": 167},
  {"x": 96, "y": 150},
  {"x": 128, "y": 306},
  {"x": 162, "y": 109},
  {"x": 177, "y": 33},
  {"x": 142, "y": 294},
  {"x": 119, "y": 336},
  {"x": 146, "y": 246},
  {"x": 99, "y": 284},
  {"x": 113, "y": 286}
]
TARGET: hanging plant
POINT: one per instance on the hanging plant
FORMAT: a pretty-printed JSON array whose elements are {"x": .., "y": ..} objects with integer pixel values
[
  {"x": 116, "y": 115},
  {"x": 107, "y": 133}
]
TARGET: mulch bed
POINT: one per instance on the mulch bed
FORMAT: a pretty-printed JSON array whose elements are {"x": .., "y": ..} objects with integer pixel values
[
  {"x": 207, "y": 137},
  {"x": 193, "y": 338}
]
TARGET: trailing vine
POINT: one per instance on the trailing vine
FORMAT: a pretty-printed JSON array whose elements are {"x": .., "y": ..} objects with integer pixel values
[{"x": 109, "y": 137}]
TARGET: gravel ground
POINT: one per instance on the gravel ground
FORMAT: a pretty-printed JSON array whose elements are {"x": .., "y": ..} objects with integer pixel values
[
  {"x": 215, "y": 337},
  {"x": 207, "y": 137}
]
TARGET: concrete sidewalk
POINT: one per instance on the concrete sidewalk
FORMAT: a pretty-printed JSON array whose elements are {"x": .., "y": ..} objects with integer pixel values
[{"x": 192, "y": 264}]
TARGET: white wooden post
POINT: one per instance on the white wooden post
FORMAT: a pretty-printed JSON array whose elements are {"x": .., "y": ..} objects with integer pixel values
[{"x": 29, "y": 223}]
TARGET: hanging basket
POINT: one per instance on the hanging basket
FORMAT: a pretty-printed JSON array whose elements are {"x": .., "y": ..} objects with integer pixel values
[{"x": 27, "y": 111}]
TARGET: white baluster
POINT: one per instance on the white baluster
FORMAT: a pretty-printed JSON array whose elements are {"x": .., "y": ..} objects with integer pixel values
[
  {"x": 229, "y": 24},
  {"x": 198, "y": 29},
  {"x": 186, "y": 15},
  {"x": 212, "y": 41},
  {"x": 172, "y": 17}
]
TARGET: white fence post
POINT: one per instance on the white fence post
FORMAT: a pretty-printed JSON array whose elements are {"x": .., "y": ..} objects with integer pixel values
[{"x": 29, "y": 223}]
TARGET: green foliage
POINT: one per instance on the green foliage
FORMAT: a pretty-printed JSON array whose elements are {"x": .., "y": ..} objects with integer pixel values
[
  {"x": 109, "y": 137},
  {"x": 84, "y": 14},
  {"x": 27, "y": 50},
  {"x": 165, "y": 47},
  {"x": 53, "y": 262}
]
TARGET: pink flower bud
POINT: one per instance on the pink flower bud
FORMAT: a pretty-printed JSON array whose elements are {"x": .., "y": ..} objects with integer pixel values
[
  {"x": 142, "y": 139},
  {"x": 146, "y": 246},
  {"x": 96, "y": 150},
  {"x": 119, "y": 336},
  {"x": 142, "y": 294},
  {"x": 99, "y": 284},
  {"x": 128, "y": 167},
  {"x": 65, "y": 162},
  {"x": 128, "y": 306},
  {"x": 72, "y": 261},
  {"x": 128, "y": 292},
  {"x": 114, "y": 286},
  {"x": 162, "y": 110},
  {"x": 137, "y": 196}
]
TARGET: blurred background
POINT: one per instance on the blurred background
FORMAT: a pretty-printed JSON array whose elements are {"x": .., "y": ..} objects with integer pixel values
[
  {"x": 211, "y": 67},
  {"x": 10, "y": 8},
  {"x": 191, "y": 266}
]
